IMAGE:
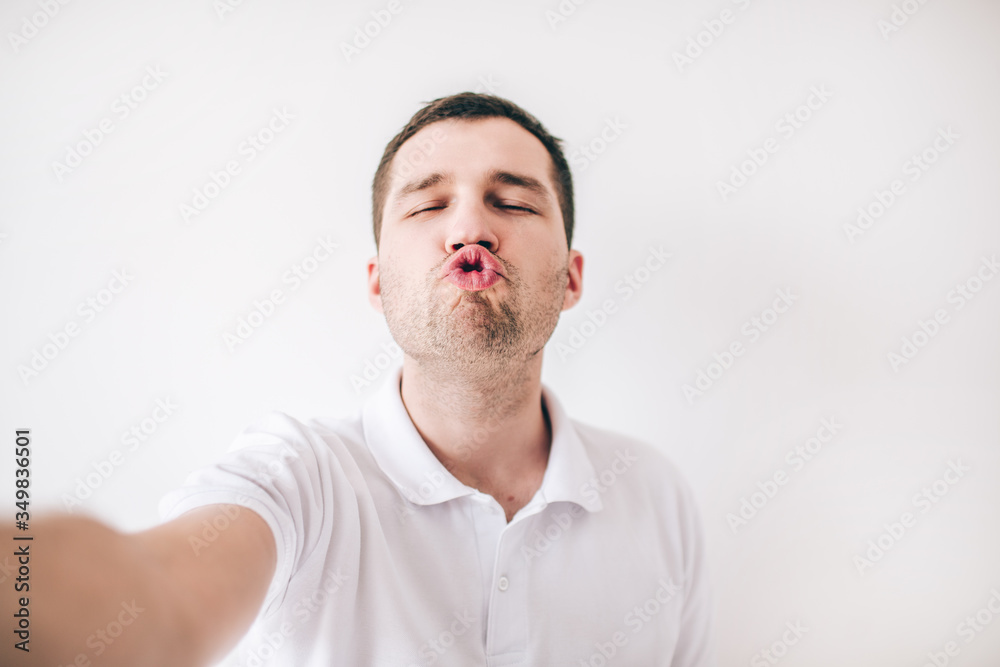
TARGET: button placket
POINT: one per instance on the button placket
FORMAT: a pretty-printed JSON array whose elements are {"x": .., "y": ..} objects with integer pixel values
[
  {"x": 488, "y": 527},
  {"x": 507, "y": 631}
]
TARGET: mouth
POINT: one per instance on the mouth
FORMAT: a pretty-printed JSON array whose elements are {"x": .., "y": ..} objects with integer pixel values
[{"x": 472, "y": 269}]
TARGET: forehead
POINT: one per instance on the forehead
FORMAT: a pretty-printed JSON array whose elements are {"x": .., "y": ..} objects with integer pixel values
[{"x": 469, "y": 149}]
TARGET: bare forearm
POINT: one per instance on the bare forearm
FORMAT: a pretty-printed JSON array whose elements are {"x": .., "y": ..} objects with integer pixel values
[{"x": 88, "y": 597}]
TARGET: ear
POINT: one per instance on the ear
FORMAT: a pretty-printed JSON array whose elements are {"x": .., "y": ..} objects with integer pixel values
[
  {"x": 574, "y": 286},
  {"x": 374, "y": 288}
]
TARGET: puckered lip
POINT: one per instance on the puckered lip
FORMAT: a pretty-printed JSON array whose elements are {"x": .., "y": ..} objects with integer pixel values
[{"x": 472, "y": 258}]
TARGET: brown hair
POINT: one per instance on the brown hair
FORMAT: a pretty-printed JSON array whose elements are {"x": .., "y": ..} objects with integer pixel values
[{"x": 472, "y": 106}]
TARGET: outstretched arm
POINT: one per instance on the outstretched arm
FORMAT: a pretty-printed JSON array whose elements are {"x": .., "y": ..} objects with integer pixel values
[{"x": 96, "y": 596}]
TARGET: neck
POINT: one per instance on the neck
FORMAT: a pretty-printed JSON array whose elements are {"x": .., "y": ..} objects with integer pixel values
[{"x": 486, "y": 425}]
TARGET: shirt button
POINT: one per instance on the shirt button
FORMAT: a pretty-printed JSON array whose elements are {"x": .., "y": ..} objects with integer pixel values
[{"x": 503, "y": 584}]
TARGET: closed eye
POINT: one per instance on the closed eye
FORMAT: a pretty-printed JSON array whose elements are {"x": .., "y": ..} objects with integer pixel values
[
  {"x": 505, "y": 206},
  {"x": 429, "y": 208}
]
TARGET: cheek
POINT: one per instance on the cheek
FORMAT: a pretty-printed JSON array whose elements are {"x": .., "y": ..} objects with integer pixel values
[
  {"x": 551, "y": 259},
  {"x": 404, "y": 272},
  {"x": 545, "y": 283},
  {"x": 394, "y": 259}
]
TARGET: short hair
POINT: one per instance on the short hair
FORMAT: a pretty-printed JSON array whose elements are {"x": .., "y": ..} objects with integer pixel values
[{"x": 471, "y": 106}]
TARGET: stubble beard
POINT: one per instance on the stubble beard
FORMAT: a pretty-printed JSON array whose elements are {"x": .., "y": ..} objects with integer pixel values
[{"x": 472, "y": 334}]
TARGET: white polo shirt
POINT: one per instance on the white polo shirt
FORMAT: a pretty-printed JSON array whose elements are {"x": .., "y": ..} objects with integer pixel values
[{"x": 385, "y": 558}]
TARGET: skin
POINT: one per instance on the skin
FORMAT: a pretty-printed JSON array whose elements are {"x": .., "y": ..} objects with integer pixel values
[{"x": 472, "y": 361}]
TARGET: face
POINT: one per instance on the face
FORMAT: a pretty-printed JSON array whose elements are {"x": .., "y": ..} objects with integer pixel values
[{"x": 486, "y": 183}]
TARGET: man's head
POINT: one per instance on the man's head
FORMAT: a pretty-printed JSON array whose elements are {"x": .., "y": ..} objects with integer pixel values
[
  {"x": 474, "y": 264},
  {"x": 467, "y": 106}
]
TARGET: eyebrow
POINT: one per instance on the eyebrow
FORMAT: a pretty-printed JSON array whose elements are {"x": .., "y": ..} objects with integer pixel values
[
  {"x": 527, "y": 182},
  {"x": 495, "y": 176},
  {"x": 424, "y": 183}
]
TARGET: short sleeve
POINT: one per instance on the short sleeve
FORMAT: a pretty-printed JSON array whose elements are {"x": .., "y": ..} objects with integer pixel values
[{"x": 278, "y": 469}]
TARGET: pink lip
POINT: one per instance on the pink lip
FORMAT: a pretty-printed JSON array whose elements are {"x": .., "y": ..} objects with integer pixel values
[{"x": 472, "y": 269}]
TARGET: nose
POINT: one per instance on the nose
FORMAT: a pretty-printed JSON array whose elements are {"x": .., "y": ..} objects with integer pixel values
[{"x": 471, "y": 226}]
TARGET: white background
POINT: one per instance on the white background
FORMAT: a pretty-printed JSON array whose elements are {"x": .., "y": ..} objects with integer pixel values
[{"x": 686, "y": 126}]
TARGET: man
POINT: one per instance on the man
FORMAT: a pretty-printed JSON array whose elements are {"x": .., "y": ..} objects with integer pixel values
[{"x": 461, "y": 518}]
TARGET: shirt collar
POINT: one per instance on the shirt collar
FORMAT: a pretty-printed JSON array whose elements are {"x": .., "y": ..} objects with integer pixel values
[{"x": 404, "y": 457}]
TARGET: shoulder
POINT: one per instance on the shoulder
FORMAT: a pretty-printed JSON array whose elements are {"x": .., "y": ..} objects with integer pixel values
[
  {"x": 278, "y": 430},
  {"x": 612, "y": 449},
  {"x": 636, "y": 471},
  {"x": 279, "y": 450}
]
